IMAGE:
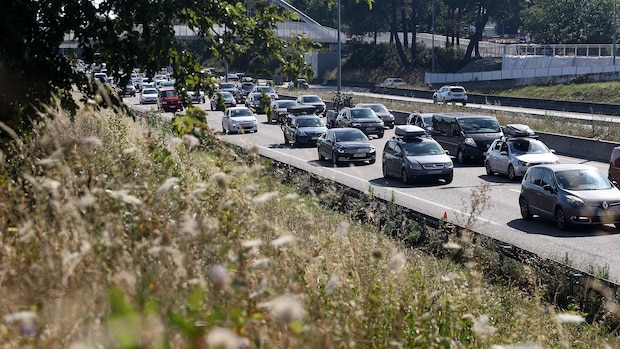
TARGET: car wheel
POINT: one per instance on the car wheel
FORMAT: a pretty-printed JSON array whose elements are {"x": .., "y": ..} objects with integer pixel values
[
  {"x": 372, "y": 161},
  {"x": 449, "y": 179},
  {"x": 321, "y": 157},
  {"x": 334, "y": 159},
  {"x": 386, "y": 175},
  {"x": 524, "y": 208},
  {"x": 404, "y": 177},
  {"x": 617, "y": 225},
  {"x": 434, "y": 100},
  {"x": 380, "y": 135},
  {"x": 487, "y": 166},
  {"x": 511, "y": 173},
  {"x": 560, "y": 219},
  {"x": 211, "y": 106},
  {"x": 391, "y": 126},
  {"x": 460, "y": 157},
  {"x": 224, "y": 130},
  {"x": 464, "y": 103}
]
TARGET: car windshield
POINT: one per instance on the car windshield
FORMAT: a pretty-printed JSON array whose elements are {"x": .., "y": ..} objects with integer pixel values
[
  {"x": 286, "y": 104},
  {"x": 247, "y": 87},
  {"x": 351, "y": 136},
  {"x": 225, "y": 94},
  {"x": 311, "y": 99},
  {"x": 266, "y": 89},
  {"x": 428, "y": 120},
  {"x": 422, "y": 149},
  {"x": 240, "y": 112},
  {"x": 457, "y": 89},
  {"x": 228, "y": 85},
  {"x": 149, "y": 91},
  {"x": 309, "y": 122},
  {"x": 169, "y": 93},
  {"x": 582, "y": 179},
  {"x": 378, "y": 108},
  {"x": 363, "y": 113},
  {"x": 479, "y": 125},
  {"x": 527, "y": 146}
]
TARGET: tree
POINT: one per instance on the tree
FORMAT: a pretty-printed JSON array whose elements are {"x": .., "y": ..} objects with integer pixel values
[{"x": 127, "y": 34}]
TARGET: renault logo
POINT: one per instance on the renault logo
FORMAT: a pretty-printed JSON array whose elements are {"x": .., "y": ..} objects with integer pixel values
[{"x": 605, "y": 205}]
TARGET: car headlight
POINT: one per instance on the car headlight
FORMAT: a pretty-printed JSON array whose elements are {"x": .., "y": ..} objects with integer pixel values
[
  {"x": 470, "y": 141},
  {"x": 449, "y": 165},
  {"x": 523, "y": 163},
  {"x": 301, "y": 133},
  {"x": 372, "y": 149},
  {"x": 573, "y": 200},
  {"x": 341, "y": 150},
  {"x": 356, "y": 124},
  {"x": 415, "y": 166},
  {"x": 233, "y": 123}
]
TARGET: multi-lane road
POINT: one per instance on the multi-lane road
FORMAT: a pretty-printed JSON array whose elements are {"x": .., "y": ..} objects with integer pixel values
[{"x": 496, "y": 209}]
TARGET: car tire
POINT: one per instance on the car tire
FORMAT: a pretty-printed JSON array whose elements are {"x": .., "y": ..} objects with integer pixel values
[
  {"x": 449, "y": 179},
  {"x": 372, "y": 161},
  {"x": 404, "y": 177},
  {"x": 211, "y": 106},
  {"x": 524, "y": 208},
  {"x": 334, "y": 159},
  {"x": 487, "y": 166},
  {"x": 460, "y": 157},
  {"x": 511, "y": 173},
  {"x": 560, "y": 219},
  {"x": 386, "y": 175},
  {"x": 380, "y": 135},
  {"x": 464, "y": 103},
  {"x": 434, "y": 100}
]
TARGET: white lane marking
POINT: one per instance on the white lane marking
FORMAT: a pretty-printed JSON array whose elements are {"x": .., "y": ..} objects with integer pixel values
[{"x": 454, "y": 210}]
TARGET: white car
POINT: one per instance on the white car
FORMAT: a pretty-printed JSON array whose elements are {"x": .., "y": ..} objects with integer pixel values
[
  {"x": 392, "y": 82},
  {"x": 313, "y": 100},
  {"x": 447, "y": 94},
  {"x": 513, "y": 156},
  {"x": 197, "y": 97},
  {"x": 148, "y": 96},
  {"x": 268, "y": 90},
  {"x": 239, "y": 120}
]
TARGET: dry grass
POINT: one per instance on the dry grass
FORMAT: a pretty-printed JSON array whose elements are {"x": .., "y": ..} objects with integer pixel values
[{"x": 120, "y": 235}]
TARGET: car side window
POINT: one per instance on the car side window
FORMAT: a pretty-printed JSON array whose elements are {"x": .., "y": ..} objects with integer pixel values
[
  {"x": 504, "y": 146},
  {"x": 547, "y": 179},
  {"x": 535, "y": 176}
]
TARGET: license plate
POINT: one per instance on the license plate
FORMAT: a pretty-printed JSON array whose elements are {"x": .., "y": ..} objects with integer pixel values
[
  {"x": 434, "y": 172},
  {"x": 315, "y": 138},
  {"x": 370, "y": 128},
  {"x": 362, "y": 155}
]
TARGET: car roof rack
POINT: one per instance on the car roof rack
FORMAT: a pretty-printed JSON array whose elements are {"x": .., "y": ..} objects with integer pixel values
[
  {"x": 518, "y": 130},
  {"x": 409, "y": 131}
]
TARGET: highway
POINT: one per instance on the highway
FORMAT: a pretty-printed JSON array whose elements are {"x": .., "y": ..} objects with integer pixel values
[{"x": 496, "y": 212}]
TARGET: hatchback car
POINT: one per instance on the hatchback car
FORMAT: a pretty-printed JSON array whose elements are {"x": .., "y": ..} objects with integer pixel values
[
  {"x": 381, "y": 111},
  {"x": 392, "y": 82},
  {"x": 169, "y": 100},
  {"x": 227, "y": 100},
  {"x": 345, "y": 144},
  {"x": 303, "y": 129},
  {"x": 569, "y": 194},
  {"x": 279, "y": 109},
  {"x": 267, "y": 89},
  {"x": 229, "y": 87},
  {"x": 148, "y": 96},
  {"x": 453, "y": 94},
  {"x": 197, "y": 97},
  {"x": 313, "y": 100},
  {"x": 364, "y": 119},
  {"x": 613, "y": 173},
  {"x": 423, "y": 120},
  {"x": 239, "y": 120},
  {"x": 513, "y": 156},
  {"x": 412, "y": 155},
  {"x": 255, "y": 102}
]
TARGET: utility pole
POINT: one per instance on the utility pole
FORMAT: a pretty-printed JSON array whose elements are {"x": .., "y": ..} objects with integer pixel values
[
  {"x": 339, "y": 78},
  {"x": 433, "y": 39}
]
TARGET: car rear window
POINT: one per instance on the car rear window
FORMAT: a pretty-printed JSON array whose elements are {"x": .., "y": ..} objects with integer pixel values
[{"x": 457, "y": 89}]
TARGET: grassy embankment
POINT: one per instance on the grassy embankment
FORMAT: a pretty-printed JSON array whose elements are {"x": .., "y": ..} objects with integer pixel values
[{"x": 118, "y": 234}]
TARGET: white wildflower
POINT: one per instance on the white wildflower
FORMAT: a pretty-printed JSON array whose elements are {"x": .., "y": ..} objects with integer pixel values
[
  {"x": 450, "y": 245},
  {"x": 92, "y": 141},
  {"x": 567, "y": 318},
  {"x": 249, "y": 189},
  {"x": 201, "y": 188},
  {"x": 332, "y": 284},
  {"x": 50, "y": 184},
  {"x": 223, "y": 338},
  {"x": 189, "y": 226},
  {"x": 20, "y": 316},
  {"x": 396, "y": 262},
  {"x": 86, "y": 201},
  {"x": 129, "y": 150},
  {"x": 342, "y": 230},
  {"x": 282, "y": 240},
  {"x": 291, "y": 196},
  {"x": 260, "y": 263},
  {"x": 251, "y": 243},
  {"x": 190, "y": 141},
  {"x": 449, "y": 277},
  {"x": 123, "y": 196},
  {"x": 164, "y": 188},
  {"x": 285, "y": 308},
  {"x": 219, "y": 276},
  {"x": 264, "y": 197},
  {"x": 482, "y": 328}
]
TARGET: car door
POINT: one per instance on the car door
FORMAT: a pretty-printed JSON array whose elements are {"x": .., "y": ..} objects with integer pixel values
[
  {"x": 493, "y": 154},
  {"x": 389, "y": 157},
  {"x": 531, "y": 189},
  {"x": 501, "y": 158},
  {"x": 226, "y": 121},
  {"x": 323, "y": 144},
  {"x": 291, "y": 127},
  {"x": 547, "y": 196},
  {"x": 343, "y": 118}
]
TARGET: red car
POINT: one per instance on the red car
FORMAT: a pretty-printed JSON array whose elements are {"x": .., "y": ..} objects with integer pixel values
[{"x": 169, "y": 100}]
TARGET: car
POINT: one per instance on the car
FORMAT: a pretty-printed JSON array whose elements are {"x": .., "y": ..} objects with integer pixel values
[
  {"x": 313, "y": 100},
  {"x": 468, "y": 135},
  {"x": 244, "y": 90},
  {"x": 450, "y": 94},
  {"x": 128, "y": 90},
  {"x": 423, "y": 120},
  {"x": 229, "y": 87},
  {"x": 364, "y": 119},
  {"x": 148, "y": 95},
  {"x": 392, "y": 82},
  {"x": 197, "y": 97},
  {"x": 255, "y": 102},
  {"x": 569, "y": 194},
  {"x": 301, "y": 83},
  {"x": 239, "y": 120},
  {"x": 381, "y": 111},
  {"x": 512, "y": 156},
  {"x": 303, "y": 128},
  {"x": 267, "y": 89},
  {"x": 279, "y": 108},
  {"x": 345, "y": 144},
  {"x": 227, "y": 100},
  {"x": 169, "y": 100},
  {"x": 613, "y": 173},
  {"x": 413, "y": 155}
]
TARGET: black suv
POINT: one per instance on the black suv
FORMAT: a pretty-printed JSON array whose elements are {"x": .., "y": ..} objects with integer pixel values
[{"x": 412, "y": 155}]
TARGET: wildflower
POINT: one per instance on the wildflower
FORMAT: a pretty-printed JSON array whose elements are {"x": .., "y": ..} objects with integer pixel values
[
  {"x": 123, "y": 196},
  {"x": 282, "y": 240},
  {"x": 450, "y": 245},
  {"x": 201, "y": 188},
  {"x": 219, "y": 276},
  {"x": 190, "y": 141},
  {"x": 291, "y": 196},
  {"x": 342, "y": 230},
  {"x": 251, "y": 243},
  {"x": 220, "y": 180},
  {"x": 50, "y": 184},
  {"x": 25, "y": 320},
  {"x": 285, "y": 308},
  {"x": 260, "y": 263},
  {"x": 332, "y": 284},
  {"x": 265, "y": 197},
  {"x": 189, "y": 226},
  {"x": 260, "y": 290},
  {"x": 449, "y": 277},
  {"x": 86, "y": 201},
  {"x": 396, "y": 262},
  {"x": 567, "y": 318},
  {"x": 482, "y": 328},
  {"x": 249, "y": 189},
  {"x": 223, "y": 338},
  {"x": 518, "y": 346},
  {"x": 164, "y": 188},
  {"x": 92, "y": 141},
  {"x": 129, "y": 150}
]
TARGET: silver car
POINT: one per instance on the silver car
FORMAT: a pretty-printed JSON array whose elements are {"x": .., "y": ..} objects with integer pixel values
[
  {"x": 239, "y": 120},
  {"x": 513, "y": 156}
]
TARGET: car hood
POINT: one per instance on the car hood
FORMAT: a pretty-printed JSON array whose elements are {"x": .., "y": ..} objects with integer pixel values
[
  {"x": 366, "y": 120},
  {"x": 538, "y": 158},
  {"x": 243, "y": 118},
  {"x": 355, "y": 144},
  {"x": 430, "y": 159},
  {"x": 315, "y": 129},
  {"x": 385, "y": 115},
  {"x": 610, "y": 195}
]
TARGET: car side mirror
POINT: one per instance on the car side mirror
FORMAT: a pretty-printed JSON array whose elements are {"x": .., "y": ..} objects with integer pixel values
[
  {"x": 552, "y": 151},
  {"x": 548, "y": 188},
  {"x": 447, "y": 152},
  {"x": 503, "y": 152}
]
